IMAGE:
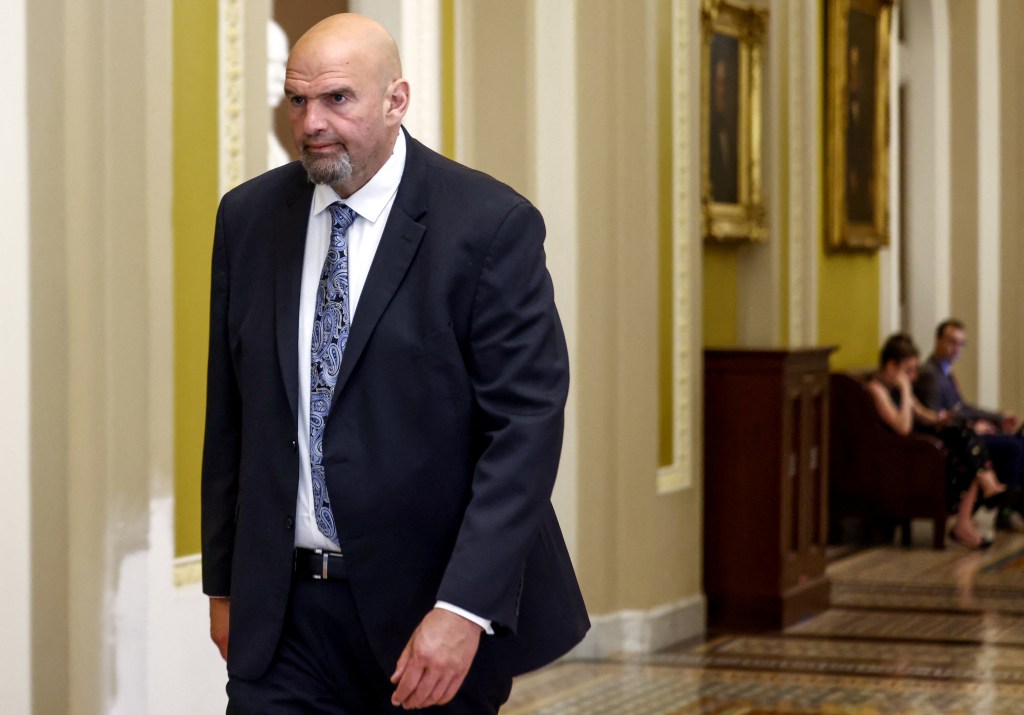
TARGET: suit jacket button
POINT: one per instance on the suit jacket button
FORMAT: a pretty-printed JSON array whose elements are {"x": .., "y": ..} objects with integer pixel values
[
  {"x": 293, "y": 446},
  {"x": 289, "y": 523}
]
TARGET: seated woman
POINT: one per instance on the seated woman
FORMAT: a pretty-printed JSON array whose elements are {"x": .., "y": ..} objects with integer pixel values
[{"x": 968, "y": 468}]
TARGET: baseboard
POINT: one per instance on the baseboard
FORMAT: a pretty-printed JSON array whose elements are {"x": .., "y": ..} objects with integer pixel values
[{"x": 643, "y": 631}]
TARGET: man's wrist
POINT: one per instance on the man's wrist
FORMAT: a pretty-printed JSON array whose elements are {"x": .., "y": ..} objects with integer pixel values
[{"x": 484, "y": 623}]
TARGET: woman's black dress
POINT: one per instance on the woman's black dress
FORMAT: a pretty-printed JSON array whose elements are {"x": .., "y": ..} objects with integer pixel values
[{"x": 967, "y": 454}]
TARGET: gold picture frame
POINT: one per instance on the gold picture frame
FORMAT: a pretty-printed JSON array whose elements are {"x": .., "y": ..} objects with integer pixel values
[
  {"x": 732, "y": 205},
  {"x": 857, "y": 123}
]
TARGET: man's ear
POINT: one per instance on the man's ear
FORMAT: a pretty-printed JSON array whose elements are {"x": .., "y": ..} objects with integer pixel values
[{"x": 396, "y": 101}]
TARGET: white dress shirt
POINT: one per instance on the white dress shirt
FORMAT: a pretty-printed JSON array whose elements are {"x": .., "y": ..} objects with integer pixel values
[{"x": 372, "y": 204}]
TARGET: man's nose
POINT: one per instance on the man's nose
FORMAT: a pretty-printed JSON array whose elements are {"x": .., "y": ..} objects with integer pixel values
[{"x": 313, "y": 119}]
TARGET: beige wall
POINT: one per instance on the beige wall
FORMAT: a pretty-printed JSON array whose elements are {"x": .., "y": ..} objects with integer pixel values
[
  {"x": 963, "y": 25},
  {"x": 49, "y": 379},
  {"x": 1011, "y": 297},
  {"x": 987, "y": 153},
  {"x": 493, "y": 95},
  {"x": 99, "y": 188},
  {"x": 638, "y": 549},
  {"x": 634, "y": 549}
]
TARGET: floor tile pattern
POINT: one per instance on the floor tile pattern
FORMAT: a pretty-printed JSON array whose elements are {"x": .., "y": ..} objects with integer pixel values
[{"x": 910, "y": 631}]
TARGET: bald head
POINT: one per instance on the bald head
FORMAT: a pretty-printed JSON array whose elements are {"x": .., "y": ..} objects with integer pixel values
[
  {"x": 346, "y": 99},
  {"x": 356, "y": 37}
]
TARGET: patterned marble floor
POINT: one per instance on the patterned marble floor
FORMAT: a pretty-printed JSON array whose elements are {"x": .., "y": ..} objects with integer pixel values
[{"x": 909, "y": 631}]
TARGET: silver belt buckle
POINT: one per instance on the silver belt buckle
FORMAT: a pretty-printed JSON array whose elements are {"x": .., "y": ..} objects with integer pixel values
[
  {"x": 322, "y": 576},
  {"x": 325, "y": 559}
]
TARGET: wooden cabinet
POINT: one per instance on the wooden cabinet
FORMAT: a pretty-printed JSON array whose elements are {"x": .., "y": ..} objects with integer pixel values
[{"x": 765, "y": 486}]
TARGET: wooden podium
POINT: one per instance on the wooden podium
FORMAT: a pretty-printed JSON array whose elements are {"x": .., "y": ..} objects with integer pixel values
[{"x": 765, "y": 486}]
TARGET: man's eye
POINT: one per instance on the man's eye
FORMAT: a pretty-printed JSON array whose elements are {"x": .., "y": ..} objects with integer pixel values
[
  {"x": 337, "y": 98},
  {"x": 296, "y": 101}
]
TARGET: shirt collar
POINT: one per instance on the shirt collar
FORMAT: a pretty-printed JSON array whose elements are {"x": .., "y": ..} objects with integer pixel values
[
  {"x": 945, "y": 365},
  {"x": 369, "y": 201}
]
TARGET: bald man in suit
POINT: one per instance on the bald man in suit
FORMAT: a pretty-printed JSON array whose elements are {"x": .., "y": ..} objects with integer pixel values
[{"x": 387, "y": 380}]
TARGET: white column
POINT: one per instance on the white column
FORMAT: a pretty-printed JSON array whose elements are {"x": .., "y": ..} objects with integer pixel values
[
  {"x": 794, "y": 56},
  {"x": 805, "y": 169},
  {"x": 416, "y": 27},
  {"x": 420, "y": 44},
  {"x": 15, "y": 603},
  {"x": 928, "y": 150},
  {"x": 387, "y": 12},
  {"x": 989, "y": 202},
  {"x": 555, "y": 123},
  {"x": 889, "y": 264},
  {"x": 943, "y": 151}
]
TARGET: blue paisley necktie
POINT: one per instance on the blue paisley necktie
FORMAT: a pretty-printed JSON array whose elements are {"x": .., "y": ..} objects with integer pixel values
[{"x": 330, "y": 333}]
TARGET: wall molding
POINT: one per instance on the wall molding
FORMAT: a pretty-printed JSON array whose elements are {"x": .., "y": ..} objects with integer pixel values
[
  {"x": 685, "y": 360},
  {"x": 421, "y": 62},
  {"x": 803, "y": 167},
  {"x": 634, "y": 631},
  {"x": 794, "y": 199},
  {"x": 231, "y": 93},
  {"x": 19, "y": 609}
]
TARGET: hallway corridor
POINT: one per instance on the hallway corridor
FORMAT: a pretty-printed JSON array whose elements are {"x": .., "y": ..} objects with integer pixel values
[{"x": 909, "y": 631}]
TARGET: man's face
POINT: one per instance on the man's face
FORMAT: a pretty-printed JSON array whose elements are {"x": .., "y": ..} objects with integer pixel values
[
  {"x": 340, "y": 112},
  {"x": 949, "y": 344}
]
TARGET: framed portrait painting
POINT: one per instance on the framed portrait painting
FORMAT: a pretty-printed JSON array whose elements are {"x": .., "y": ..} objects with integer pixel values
[
  {"x": 732, "y": 204},
  {"x": 857, "y": 123}
]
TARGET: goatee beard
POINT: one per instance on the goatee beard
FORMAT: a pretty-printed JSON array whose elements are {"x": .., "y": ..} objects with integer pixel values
[{"x": 330, "y": 169}]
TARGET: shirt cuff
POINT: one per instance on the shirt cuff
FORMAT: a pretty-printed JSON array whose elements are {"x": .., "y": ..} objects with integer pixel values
[{"x": 482, "y": 622}]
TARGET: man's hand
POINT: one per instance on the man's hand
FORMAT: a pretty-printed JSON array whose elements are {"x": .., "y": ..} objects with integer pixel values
[
  {"x": 1010, "y": 422},
  {"x": 220, "y": 615},
  {"x": 984, "y": 427},
  {"x": 435, "y": 661}
]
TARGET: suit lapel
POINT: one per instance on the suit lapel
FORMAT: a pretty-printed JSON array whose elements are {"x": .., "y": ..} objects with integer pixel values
[
  {"x": 289, "y": 236},
  {"x": 398, "y": 245}
]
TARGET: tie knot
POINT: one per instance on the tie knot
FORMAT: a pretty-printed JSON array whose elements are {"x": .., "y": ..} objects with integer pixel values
[{"x": 341, "y": 218}]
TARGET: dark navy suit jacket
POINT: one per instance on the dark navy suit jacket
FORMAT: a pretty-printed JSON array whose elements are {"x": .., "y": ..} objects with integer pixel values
[
  {"x": 937, "y": 391},
  {"x": 444, "y": 436}
]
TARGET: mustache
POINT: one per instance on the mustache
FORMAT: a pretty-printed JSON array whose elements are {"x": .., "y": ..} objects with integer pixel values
[{"x": 308, "y": 139}]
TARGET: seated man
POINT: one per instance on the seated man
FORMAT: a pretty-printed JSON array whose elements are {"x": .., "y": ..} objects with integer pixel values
[{"x": 936, "y": 388}]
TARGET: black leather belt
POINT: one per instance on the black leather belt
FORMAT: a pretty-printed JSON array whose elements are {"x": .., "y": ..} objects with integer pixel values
[{"x": 319, "y": 564}]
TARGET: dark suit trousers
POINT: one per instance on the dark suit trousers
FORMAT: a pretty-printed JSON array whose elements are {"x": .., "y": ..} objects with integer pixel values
[
  {"x": 324, "y": 666},
  {"x": 1007, "y": 453}
]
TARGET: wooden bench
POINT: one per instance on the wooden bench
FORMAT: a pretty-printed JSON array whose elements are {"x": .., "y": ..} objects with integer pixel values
[{"x": 875, "y": 473}]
